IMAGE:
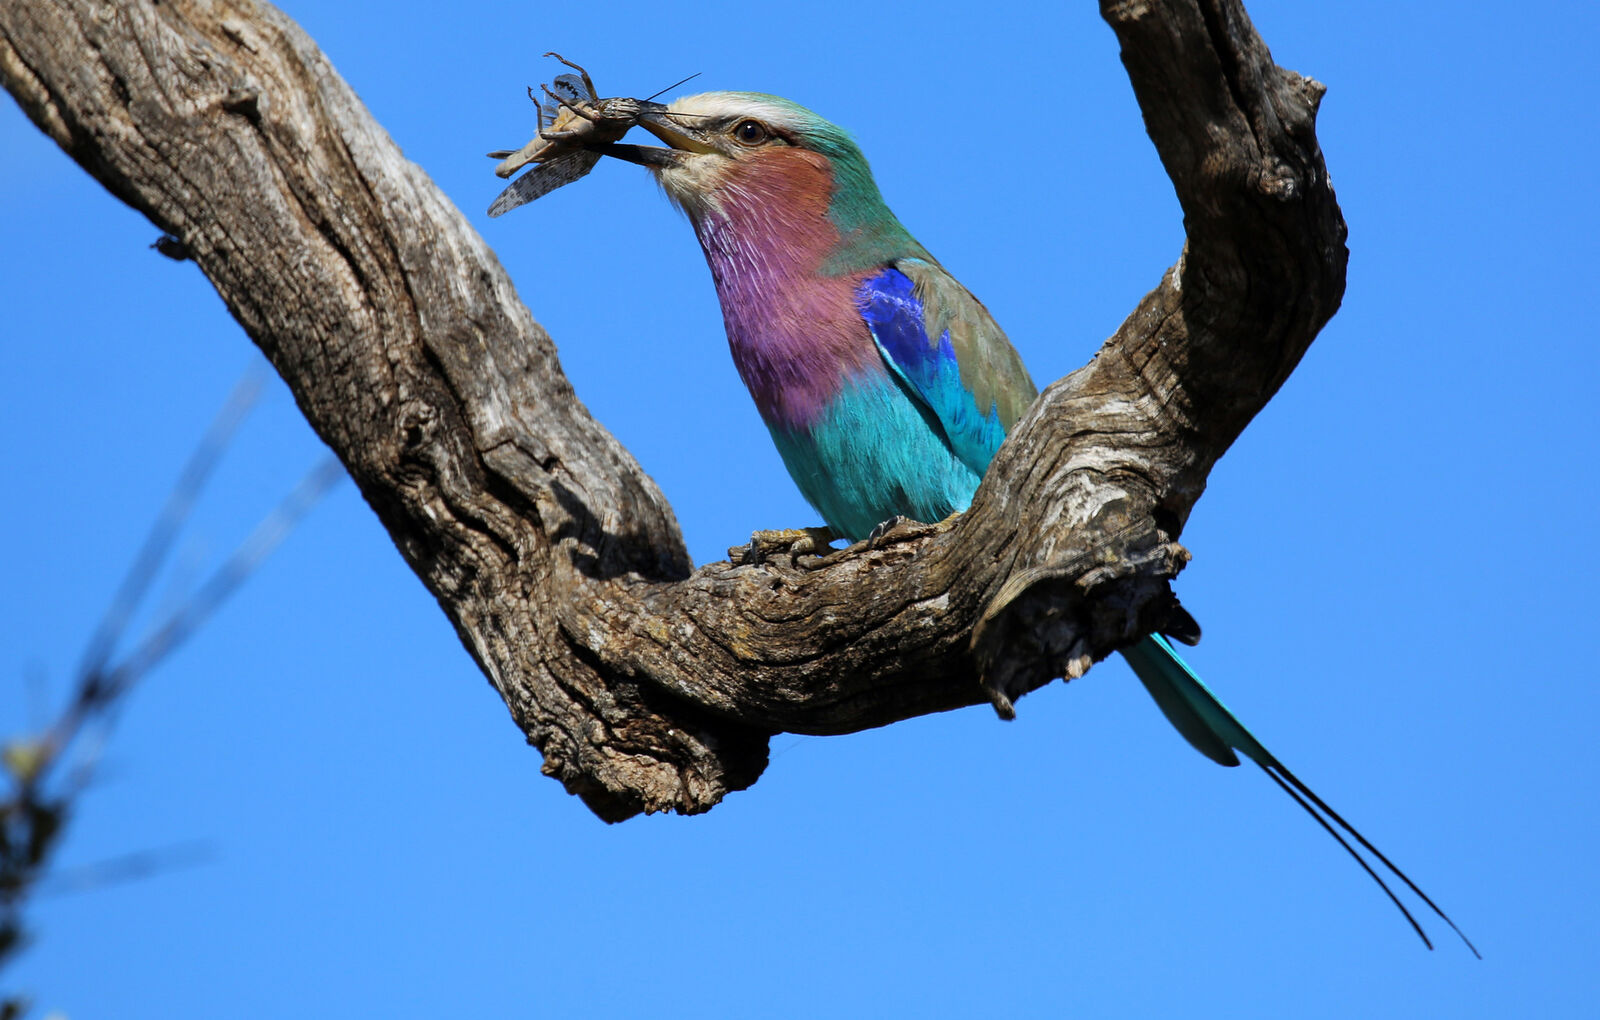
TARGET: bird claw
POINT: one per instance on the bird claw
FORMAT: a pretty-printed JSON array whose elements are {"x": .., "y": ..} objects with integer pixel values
[
  {"x": 884, "y": 529},
  {"x": 791, "y": 542}
]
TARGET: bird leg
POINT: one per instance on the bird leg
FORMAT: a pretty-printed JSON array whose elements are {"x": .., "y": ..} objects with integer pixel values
[{"x": 790, "y": 542}]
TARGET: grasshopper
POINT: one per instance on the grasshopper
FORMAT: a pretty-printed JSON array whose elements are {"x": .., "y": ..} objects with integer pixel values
[{"x": 573, "y": 126}]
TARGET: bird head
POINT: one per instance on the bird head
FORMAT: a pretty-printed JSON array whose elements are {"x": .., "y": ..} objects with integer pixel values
[{"x": 769, "y": 162}]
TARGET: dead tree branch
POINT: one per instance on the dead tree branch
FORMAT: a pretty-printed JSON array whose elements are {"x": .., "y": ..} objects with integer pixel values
[{"x": 649, "y": 685}]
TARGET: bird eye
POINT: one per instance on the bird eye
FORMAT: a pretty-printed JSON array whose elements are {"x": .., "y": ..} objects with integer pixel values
[{"x": 750, "y": 132}]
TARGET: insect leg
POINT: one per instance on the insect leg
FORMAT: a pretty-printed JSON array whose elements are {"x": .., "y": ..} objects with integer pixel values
[{"x": 588, "y": 82}]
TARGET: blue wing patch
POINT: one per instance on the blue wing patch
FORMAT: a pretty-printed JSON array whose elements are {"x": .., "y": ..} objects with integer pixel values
[{"x": 929, "y": 368}]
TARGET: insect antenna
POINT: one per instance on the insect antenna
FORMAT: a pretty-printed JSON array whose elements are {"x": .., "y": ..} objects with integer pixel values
[{"x": 674, "y": 85}]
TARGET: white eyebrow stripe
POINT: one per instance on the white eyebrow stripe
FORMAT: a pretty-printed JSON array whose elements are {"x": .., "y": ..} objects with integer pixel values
[{"x": 733, "y": 105}]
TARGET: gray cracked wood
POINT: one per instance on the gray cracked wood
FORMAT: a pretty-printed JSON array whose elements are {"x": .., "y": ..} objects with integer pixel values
[{"x": 646, "y": 684}]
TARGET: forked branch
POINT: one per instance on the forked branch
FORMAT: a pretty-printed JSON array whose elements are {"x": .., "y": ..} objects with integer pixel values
[{"x": 649, "y": 685}]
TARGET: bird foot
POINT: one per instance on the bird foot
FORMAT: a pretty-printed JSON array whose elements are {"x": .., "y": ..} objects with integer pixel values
[
  {"x": 904, "y": 529},
  {"x": 791, "y": 542}
]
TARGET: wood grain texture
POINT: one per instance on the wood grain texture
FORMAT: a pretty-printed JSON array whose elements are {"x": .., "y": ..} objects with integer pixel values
[{"x": 646, "y": 684}]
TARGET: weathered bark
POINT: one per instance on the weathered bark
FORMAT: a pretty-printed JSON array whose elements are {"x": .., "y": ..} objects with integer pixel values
[{"x": 646, "y": 684}]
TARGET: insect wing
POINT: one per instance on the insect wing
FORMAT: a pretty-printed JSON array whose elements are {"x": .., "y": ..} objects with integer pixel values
[
  {"x": 569, "y": 87},
  {"x": 543, "y": 179}
]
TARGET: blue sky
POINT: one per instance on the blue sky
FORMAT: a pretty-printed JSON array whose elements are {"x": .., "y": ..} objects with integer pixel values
[{"x": 1393, "y": 568}]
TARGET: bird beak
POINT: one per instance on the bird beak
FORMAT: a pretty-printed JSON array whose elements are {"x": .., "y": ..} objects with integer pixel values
[
  {"x": 684, "y": 141},
  {"x": 675, "y": 133},
  {"x": 644, "y": 155}
]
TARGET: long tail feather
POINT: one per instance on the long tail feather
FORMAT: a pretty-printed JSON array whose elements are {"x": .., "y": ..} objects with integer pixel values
[
  {"x": 1291, "y": 783},
  {"x": 1308, "y": 809},
  {"x": 1207, "y": 724}
]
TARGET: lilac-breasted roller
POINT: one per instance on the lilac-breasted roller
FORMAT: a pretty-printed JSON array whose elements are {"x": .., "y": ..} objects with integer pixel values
[{"x": 886, "y": 385}]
